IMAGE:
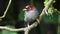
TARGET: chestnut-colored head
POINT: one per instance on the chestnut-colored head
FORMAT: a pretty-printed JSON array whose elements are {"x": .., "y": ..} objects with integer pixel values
[{"x": 28, "y": 8}]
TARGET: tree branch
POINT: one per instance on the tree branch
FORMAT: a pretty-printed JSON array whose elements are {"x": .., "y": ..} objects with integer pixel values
[
  {"x": 5, "y": 12},
  {"x": 46, "y": 8}
]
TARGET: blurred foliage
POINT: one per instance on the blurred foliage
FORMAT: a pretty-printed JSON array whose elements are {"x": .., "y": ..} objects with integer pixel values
[
  {"x": 51, "y": 10},
  {"x": 45, "y": 2},
  {"x": 31, "y": 2},
  {"x": 21, "y": 15},
  {"x": 59, "y": 19},
  {"x": 52, "y": 17}
]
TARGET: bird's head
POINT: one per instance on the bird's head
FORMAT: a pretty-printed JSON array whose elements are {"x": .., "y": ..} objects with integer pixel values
[{"x": 28, "y": 8}]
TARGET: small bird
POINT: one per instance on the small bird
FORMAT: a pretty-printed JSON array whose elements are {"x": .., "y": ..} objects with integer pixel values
[{"x": 31, "y": 13}]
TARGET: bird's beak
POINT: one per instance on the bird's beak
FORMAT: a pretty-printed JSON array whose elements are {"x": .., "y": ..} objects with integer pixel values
[{"x": 24, "y": 9}]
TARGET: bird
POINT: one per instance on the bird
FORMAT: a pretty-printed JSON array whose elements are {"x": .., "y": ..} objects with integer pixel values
[{"x": 30, "y": 14}]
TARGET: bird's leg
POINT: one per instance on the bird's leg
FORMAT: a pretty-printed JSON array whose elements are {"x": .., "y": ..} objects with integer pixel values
[
  {"x": 38, "y": 20},
  {"x": 28, "y": 24}
]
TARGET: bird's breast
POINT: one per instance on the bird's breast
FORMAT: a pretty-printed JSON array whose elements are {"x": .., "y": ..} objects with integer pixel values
[{"x": 31, "y": 15}]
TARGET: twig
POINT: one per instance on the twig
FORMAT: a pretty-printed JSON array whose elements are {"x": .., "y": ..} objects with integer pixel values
[
  {"x": 5, "y": 12},
  {"x": 20, "y": 29},
  {"x": 46, "y": 8}
]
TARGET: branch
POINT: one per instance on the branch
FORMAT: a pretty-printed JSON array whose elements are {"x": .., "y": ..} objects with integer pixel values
[
  {"x": 11, "y": 29},
  {"x": 20, "y": 29},
  {"x": 6, "y": 9},
  {"x": 46, "y": 8}
]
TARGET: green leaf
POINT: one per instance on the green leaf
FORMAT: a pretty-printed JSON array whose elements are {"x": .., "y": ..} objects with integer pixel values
[
  {"x": 51, "y": 10},
  {"x": 45, "y": 2}
]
